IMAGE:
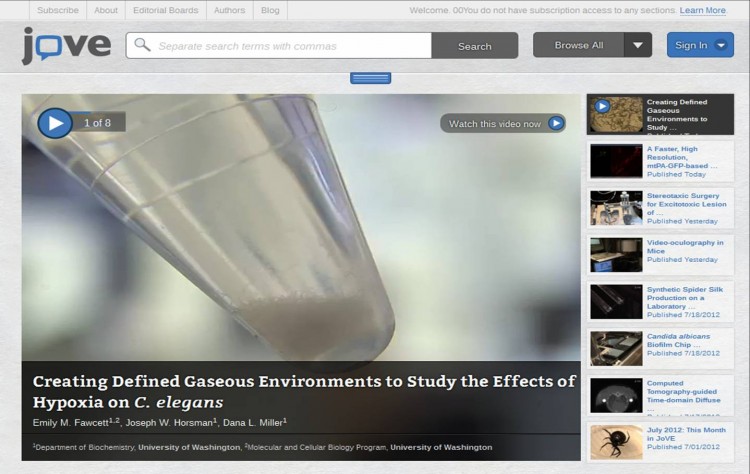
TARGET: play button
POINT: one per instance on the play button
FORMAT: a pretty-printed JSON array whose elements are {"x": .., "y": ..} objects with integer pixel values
[
  {"x": 55, "y": 123},
  {"x": 556, "y": 122},
  {"x": 602, "y": 106}
]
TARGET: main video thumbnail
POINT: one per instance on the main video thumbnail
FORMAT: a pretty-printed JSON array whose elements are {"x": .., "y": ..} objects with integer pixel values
[
  {"x": 345, "y": 248},
  {"x": 329, "y": 227}
]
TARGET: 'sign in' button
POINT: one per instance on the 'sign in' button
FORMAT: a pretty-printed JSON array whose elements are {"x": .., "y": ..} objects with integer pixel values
[{"x": 700, "y": 45}]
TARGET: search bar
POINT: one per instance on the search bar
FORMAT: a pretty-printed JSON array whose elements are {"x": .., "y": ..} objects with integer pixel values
[{"x": 278, "y": 45}]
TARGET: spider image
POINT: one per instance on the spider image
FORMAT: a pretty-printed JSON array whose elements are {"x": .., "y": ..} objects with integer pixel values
[{"x": 616, "y": 439}]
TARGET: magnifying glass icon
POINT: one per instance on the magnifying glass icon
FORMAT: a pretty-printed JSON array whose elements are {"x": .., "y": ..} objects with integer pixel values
[{"x": 141, "y": 43}]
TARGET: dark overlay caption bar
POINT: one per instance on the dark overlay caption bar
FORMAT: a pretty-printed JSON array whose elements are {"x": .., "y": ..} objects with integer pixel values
[{"x": 283, "y": 411}]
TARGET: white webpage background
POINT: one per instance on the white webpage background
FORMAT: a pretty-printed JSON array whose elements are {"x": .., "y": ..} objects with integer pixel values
[{"x": 430, "y": 76}]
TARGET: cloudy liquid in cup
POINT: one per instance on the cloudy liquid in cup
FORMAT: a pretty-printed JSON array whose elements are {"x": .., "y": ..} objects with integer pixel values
[
  {"x": 260, "y": 244},
  {"x": 309, "y": 329}
]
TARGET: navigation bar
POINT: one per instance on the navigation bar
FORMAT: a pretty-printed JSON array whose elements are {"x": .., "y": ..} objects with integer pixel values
[{"x": 371, "y": 10}]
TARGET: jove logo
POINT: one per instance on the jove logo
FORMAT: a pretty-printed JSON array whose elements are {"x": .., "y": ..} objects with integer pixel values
[{"x": 52, "y": 45}]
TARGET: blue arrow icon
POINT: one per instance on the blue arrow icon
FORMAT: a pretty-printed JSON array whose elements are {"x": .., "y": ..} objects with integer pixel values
[
  {"x": 721, "y": 44},
  {"x": 55, "y": 123},
  {"x": 602, "y": 106},
  {"x": 556, "y": 122}
]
